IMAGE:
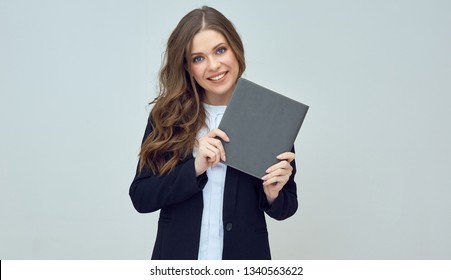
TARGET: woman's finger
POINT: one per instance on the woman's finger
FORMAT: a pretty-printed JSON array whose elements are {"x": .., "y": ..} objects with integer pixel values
[
  {"x": 216, "y": 145},
  {"x": 288, "y": 156},
  {"x": 280, "y": 165},
  {"x": 216, "y": 132},
  {"x": 277, "y": 173},
  {"x": 208, "y": 153}
]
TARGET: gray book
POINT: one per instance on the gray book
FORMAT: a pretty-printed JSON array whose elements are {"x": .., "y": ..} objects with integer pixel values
[{"x": 261, "y": 124}]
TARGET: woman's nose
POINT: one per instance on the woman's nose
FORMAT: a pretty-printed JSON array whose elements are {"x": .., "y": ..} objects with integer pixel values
[{"x": 214, "y": 63}]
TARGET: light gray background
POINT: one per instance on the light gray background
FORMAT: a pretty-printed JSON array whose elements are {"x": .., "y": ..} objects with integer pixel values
[{"x": 374, "y": 153}]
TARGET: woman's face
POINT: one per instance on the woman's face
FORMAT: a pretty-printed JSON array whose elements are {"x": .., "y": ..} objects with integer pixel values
[{"x": 214, "y": 66}]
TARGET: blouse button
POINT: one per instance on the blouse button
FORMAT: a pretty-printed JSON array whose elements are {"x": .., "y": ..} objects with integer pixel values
[{"x": 229, "y": 226}]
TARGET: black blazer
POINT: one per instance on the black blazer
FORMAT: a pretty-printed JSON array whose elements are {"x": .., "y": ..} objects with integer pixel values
[{"x": 178, "y": 196}]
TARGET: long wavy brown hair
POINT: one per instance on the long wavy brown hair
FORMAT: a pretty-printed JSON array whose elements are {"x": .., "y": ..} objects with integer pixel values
[{"x": 177, "y": 114}]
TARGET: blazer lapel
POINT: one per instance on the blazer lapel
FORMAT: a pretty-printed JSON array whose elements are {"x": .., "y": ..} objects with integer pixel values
[{"x": 230, "y": 192}]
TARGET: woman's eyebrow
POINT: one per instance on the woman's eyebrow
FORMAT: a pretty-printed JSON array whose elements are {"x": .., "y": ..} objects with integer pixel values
[{"x": 215, "y": 47}]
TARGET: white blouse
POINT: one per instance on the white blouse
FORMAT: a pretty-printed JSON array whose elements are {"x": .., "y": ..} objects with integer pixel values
[{"x": 212, "y": 231}]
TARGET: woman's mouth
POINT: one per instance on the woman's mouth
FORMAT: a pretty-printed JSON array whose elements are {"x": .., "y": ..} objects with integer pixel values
[{"x": 218, "y": 77}]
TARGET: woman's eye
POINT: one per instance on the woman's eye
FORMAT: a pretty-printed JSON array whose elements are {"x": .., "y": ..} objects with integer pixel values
[
  {"x": 221, "y": 50},
  {"x": 198, "y": 59}
]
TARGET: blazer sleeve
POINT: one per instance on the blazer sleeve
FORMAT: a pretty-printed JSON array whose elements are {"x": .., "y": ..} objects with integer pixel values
[
  {"x": 150, "y": 192},
  {"x": 286, "y": 204}
]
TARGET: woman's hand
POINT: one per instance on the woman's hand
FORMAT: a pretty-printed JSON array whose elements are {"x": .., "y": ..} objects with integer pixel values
[
  {"x": 210, "y": 150},
  {"x": 277, "y": 176}
]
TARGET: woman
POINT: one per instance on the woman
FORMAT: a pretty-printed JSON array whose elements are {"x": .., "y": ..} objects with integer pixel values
[{"x": 207, "y": 210}]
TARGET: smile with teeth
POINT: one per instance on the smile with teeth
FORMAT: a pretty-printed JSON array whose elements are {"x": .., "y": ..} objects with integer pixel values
[{"x": 217, "y": 78}]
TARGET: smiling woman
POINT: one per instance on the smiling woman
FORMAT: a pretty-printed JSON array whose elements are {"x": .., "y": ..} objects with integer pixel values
[{"x": 207, "y": 209}]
